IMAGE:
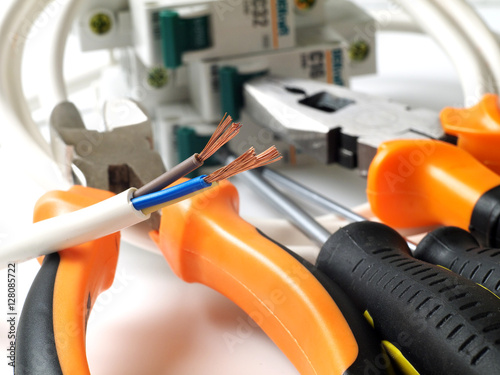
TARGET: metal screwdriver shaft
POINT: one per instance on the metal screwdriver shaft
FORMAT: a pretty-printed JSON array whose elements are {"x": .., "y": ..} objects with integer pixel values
[
  {"x": 302, "y": 192},
  {"x": 300, "y": 218},
  {"x": 309, "y": 195}
]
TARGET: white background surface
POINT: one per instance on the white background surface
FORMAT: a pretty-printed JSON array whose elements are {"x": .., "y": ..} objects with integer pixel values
[{"x": 152, "y": 323}]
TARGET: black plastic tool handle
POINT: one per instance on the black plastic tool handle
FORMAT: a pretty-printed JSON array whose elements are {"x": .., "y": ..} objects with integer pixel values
[
  {"x": 441, "y": 322},
  {"x": 36, "y": 351},
  {"x": 459, "y": 251}
]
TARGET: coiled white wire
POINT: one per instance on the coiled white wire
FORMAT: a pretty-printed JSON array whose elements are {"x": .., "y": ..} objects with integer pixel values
[
  {"x": 474, "y": 73},
  {"x": 477, "y": 32},
  {"x": 57, "y": 48},
  {"x": 21, "y": 138}
]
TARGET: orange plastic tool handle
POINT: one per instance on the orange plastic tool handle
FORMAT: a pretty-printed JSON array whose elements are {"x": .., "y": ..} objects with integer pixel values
[
  {"x": 414, "y": 183},
  {"x": 477, "y": 129},
  {"x": 73, "y": 279},
  {"x": 205, "y": 241}
]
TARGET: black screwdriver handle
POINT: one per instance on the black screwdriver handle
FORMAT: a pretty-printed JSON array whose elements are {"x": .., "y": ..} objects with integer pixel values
[
  {"x": 459, "y": 251},
  {"x": 441, "y": 322}
]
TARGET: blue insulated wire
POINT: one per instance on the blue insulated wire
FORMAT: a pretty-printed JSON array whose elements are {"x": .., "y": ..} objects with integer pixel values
[{"x": 169, "y": 194}]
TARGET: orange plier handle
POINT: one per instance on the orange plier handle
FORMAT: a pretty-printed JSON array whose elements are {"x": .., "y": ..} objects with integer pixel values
[{"x": 206, "y": 241}]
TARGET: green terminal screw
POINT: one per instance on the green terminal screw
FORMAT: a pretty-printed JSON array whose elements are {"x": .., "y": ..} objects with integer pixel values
[
  {"x": 100, "y": 23},
  {"x": 358, "y": 51},
  {"x": 157, "y": 77}
]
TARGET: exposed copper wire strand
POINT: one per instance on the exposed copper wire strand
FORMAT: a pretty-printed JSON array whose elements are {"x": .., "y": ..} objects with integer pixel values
[
  {"x": 224, "y": 132},
  {"x": 267, "y": 157},
  {"x": 241, "y": 162},
  {"x": 229, "y": 134},
  {"x": 244, "y": 162}
]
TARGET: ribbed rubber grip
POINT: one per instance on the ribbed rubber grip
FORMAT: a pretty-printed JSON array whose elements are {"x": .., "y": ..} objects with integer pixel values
[
  {"x": 441, "y": 322},
  {"x": 458, "y": 250}
]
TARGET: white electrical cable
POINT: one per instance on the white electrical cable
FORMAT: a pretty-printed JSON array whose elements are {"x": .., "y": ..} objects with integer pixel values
[
  {"x": 57, "y": 48},
  {"x": 71, "y": 229},
  {"x": 477, "y": 32},
  {"x": 475, "y": 76},
  {"x": 397, "y": 22},
  {"x": 57, "y": 92},
  {"x": 402, "y": 23},
  {"x": 21, "y": 143},
  {"x": 15, "y": 30}
]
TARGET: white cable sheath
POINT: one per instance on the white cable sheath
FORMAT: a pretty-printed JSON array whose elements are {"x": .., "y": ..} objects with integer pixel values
[
  {"x": 15, "y": 29},
  {"x": 475, "y": 76},
  {"x": 61, "y": 232},
  {"x": 396, "y": 21},
  {"x": 57, "y": 48},
  {"x": 403, "y": 24},
  {"x": 477, "y": 32},
  {"x": 22, "y": 146}
]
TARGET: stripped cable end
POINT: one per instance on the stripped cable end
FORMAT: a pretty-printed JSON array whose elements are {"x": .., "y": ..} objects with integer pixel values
[
  {"x": 248, "y": 160},
  {"x": 224, "y": 132},
  {"x": 244, "y": 162}
]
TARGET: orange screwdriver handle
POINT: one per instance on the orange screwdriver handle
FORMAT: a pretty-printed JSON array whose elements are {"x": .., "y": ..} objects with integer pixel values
[
  {"x": 51, "y": 332},
  {"x": 477, "y": 129},
  {"x": 204, "y": 240},
  {"x": 414, "y": 183}
]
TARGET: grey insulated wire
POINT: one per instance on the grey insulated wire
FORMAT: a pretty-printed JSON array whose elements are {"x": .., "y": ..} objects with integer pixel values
[{"x": 180, "y": 170}]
